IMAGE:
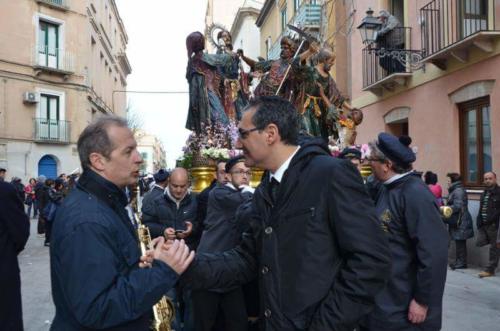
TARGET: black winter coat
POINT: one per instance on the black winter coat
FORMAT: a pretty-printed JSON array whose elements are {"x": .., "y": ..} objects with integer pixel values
[
  {"x": 318, "y": 251},
  {"x": 96, "y": 280},
  {"x": 460, "y": 222},
  {"x": 222, "y": 231},
  {"x": 42, "y": 195},
  {"x": 163, "y": 213},
  {"x": 493, "y": 208},
  {"x": 14, "y": 233},
  {"x": 418, "y": 242},
  {"x": 150, "y": 196}
]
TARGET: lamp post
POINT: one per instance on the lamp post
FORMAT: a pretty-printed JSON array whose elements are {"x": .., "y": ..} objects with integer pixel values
[{"x": 368, "y": 27}]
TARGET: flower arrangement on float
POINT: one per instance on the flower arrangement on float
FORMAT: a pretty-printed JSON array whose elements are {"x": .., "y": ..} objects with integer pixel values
[{"x": 214, "y": 142}]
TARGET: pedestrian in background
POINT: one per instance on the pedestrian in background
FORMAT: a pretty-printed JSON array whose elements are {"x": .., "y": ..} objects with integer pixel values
[
  {"x": 56, "y": 196},
  {"x": 41, "y": 193},
  {"x": 460, "y": 221},
  {"x": 30, "y": 201},
  {"x": 487, "y": 221},
  {"x": 14, "y": 233},
  {"x": 3, "y": 172},
  {"x": 431, "y": 179}
]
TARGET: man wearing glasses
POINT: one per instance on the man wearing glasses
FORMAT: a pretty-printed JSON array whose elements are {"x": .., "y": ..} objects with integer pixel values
[
  {"x": 320, "y": 258},
  {"x": 223, "y": 229}
]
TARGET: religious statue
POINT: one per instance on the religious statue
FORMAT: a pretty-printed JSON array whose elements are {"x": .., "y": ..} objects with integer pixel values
[
  {"x": 205, "y": 106},
  {"x": 279, "y": 72},
  {"x": 234, "y": 89}
]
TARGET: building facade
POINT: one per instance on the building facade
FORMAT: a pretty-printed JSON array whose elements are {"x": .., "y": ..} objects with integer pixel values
[
  {"x": 245, "y": 33},
  {"x": 442, "y": 91},
  {"x": 152, "y": 152},
  {"x": 60, "y": 63}
]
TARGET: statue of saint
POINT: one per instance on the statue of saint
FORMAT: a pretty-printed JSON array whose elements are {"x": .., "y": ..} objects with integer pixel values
[
  {"x": 205, "y": 106},
  {"x": 320, "y": 101},
  {"x": 234, "y": 89}
]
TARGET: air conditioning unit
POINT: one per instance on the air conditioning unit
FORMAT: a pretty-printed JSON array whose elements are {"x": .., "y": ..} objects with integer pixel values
[{"x": 31, "y": 97}]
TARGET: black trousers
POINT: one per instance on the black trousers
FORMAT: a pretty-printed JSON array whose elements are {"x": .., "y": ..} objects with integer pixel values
[
  {"x": 48, "y": 231},
  {"x": 206, "y": 306},
  {"x": 461, "y": 252}
]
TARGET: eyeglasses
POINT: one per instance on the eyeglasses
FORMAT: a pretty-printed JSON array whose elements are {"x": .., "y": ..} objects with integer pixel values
[
  {"x": 241, "y": 173},
  {"x": 372, "y": 159},
  {"x": 243, "y": 134}
]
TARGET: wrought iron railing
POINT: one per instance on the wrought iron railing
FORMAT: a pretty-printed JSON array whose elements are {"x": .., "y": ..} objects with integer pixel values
[
  {"x": 446, "y": 22},
  {"x": 53, "y": 58},
  {"x": 391, "y": 54},
  {"x": 54, "y": 131}
]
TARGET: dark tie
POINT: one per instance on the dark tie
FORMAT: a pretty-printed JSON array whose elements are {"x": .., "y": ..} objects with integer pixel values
[{"x": 274, "y": 186}]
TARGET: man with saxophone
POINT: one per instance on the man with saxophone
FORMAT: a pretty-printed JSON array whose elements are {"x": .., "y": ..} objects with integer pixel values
[{"x": 99, "y": 280}]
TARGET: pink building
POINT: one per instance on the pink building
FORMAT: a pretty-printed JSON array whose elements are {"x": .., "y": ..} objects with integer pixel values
[{"x": 449, "y": 101}]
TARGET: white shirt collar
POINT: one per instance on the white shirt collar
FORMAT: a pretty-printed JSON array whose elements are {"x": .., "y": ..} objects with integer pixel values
[
  {"x": 278, "y": 175},
  {"x": 231, "y": 186},
  {"x": 396, "y": 177}
]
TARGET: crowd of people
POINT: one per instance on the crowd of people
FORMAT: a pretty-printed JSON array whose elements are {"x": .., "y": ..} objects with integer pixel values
[{"x": 314, "y": 247}]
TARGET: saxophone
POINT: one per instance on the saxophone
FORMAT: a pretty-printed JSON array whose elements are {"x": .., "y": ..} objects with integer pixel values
[{"x": 163, "y": 310}]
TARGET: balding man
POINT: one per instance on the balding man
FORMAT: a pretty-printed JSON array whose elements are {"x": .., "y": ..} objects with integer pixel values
[
  {"x": 172, "y": 214},
  {"x": 487, "y": 221}
]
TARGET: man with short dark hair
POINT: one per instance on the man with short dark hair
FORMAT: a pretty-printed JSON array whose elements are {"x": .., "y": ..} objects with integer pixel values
[
  {"x": 488, "y": 221},
  {"x": 320, "y": 258},
  {"x": 99, "y": 279},
  {"x": 418, "y": 242},
  {"x": 223, "y": 230}
]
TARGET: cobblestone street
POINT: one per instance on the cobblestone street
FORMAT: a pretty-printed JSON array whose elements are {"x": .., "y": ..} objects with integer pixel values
[{"x": 470, "y": 303}]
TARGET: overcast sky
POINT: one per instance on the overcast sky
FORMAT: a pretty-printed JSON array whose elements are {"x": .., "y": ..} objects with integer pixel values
[{"x": 157, "y": 31}]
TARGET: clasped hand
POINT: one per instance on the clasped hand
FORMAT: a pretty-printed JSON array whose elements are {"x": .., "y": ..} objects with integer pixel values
[{"x": 175, "y": 253}]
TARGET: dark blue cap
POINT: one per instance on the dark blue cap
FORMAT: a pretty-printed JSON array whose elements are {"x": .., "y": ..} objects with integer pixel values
[
  {"x": 350, "y": 153},
  {"x": 161, "y": 176},
  {"x": 396, "y": 149},
  {"x": 233, "y": 161}
]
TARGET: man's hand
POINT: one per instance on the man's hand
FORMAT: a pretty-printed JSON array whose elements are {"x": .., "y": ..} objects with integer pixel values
[
  {"x": 417, "y": 313},
  {"x": 186, "y": 233},
  {"x": 169, "y": 233},
  {"x": 178, "y": 257}
]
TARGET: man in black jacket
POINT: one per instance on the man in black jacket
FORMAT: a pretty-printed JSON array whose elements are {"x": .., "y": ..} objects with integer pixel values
[
  {"x": 14, "y": 232},
  {"x": 313, "y": 241},
  {"x": 487, "y": 221},
  {"x": 98, "y": 280},
  {"x": 408, "y": 213},
  {"x": 223, "y": 232},
  {"x": 161, "y": 182},
  {"x": 172, "y": 215}
]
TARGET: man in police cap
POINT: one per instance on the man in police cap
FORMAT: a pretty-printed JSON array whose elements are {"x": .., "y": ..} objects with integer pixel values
[
  {"x": 161, "y": 182},
  {"x": 418, "y": 242},
  {"x": 223, "y": 229},
  {"x": 352, "y": 154}
]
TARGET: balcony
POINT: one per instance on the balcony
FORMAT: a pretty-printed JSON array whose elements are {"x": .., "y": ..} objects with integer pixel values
[
  {"x": 57, "y": 4},
  {"x": 53, "y": 60},
  {"x": 51, "y": 131},
  {"x": 390, "y": 62},
  {"x": 451, "y": 28},
  {"x": 308, "y": 16}
]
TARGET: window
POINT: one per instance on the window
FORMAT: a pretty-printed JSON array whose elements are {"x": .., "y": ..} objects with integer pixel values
[
  {"x": 48, "y": 44},
  {"x": 48, "y": 123},
  {"x": 475, "y": 140},
  {"x": 283, "y": 19}
]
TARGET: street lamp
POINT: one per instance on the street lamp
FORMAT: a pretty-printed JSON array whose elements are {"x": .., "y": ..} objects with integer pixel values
[{"x": 368, "y": 27}]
